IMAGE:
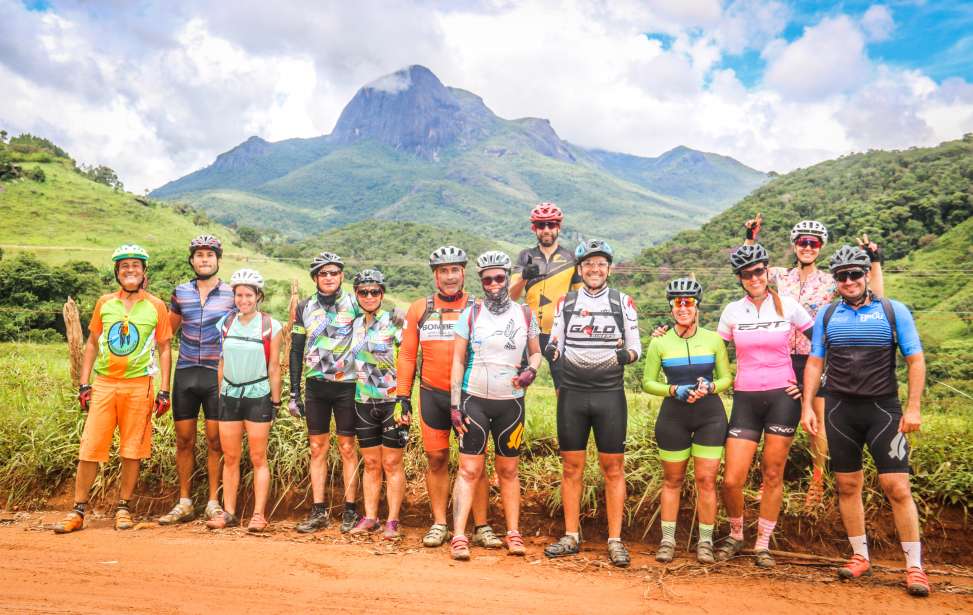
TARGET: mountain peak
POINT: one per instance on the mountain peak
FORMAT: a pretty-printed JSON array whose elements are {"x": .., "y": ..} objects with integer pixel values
[{"x": 412, "y": 111}]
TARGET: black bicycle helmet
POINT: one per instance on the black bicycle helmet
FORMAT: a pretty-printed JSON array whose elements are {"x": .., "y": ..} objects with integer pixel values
[
  {"x": 850, "y": 256},
  {"x": 325, "y": 258},
  {"x": 745, "y": 255},
  {"x": 684, "y": 287},
  {"x": 369, "y": 276}
]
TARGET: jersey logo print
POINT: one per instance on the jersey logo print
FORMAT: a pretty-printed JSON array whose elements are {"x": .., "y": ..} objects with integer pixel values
[
  {"x": 897, "y": 449},
  {"x": 123, "y": 339},
  {"x": 756, "y": 326},
  {"x": 509, "y": 332}
]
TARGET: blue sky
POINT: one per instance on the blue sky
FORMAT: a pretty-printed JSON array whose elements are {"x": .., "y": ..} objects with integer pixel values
[{"x": 157, "y": 89}]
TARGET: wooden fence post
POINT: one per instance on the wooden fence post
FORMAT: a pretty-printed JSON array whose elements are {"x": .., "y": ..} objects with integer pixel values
[{"x": 72, "y": 326}]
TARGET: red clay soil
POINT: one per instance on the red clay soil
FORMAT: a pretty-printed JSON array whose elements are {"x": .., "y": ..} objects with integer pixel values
[{"x": 188, "y": 569}]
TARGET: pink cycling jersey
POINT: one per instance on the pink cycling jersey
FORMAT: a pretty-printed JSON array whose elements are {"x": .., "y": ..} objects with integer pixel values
[{"x": 762, "y": 341}]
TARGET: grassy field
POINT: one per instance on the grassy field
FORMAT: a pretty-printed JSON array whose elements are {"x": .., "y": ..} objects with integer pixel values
[{"x": 40, "y": 427}]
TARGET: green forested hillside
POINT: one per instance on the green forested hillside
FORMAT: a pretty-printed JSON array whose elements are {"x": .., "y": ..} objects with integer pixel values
[{"x": 916, "y": 203}]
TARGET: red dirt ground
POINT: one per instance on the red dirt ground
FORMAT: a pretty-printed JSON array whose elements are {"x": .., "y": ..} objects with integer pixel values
[{"x": 188, "y": 569}]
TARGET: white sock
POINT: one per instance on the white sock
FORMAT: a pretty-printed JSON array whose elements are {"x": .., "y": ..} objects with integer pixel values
[
  {"x": 185, "y": 501},
  {"x": 611, "y": 539},
  {"x": 212, "y": 504},
  {"x": 913, "y": 554},
  {"x": 859, "y": 544},
  {"x": 575, "y": 535}
]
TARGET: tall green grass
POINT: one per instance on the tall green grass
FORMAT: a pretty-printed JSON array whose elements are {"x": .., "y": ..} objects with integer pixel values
[{"x": 40, "y": 427}]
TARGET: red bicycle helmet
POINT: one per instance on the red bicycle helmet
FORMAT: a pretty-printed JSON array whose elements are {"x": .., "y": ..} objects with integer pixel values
[{"x": 546, "y": 212}]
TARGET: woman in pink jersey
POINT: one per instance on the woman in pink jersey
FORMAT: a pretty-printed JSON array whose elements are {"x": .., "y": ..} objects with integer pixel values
[{"x": 765, "y": 395}]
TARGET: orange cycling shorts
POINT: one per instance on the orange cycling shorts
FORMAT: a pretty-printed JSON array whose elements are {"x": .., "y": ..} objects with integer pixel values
[{"x": 125, "y": 403}]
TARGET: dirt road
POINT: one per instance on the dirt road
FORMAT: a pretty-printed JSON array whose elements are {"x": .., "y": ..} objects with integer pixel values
[{"x": 190, "y": 570}]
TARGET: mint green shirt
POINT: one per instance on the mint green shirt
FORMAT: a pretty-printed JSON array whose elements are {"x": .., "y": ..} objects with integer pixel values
[{"x": 244, "y": 359}]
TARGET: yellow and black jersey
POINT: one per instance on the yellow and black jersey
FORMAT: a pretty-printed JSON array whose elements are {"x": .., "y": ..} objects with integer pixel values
[{"x": 558, "y": 276}]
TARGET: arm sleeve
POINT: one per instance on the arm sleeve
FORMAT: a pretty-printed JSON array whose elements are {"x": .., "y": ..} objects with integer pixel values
[
  {"x": 817, "y": 337},
  {"x": 298, "y": 340},
  {"x": 905, "y": 330},
  {"x": 408, "y": 350},
  {"x": 534, "y": 330},
  {"x": 651, "y": 381},
  {"x": 633, "y": 340},
  {"x": 462, "y": 327},
  {"x": 725, "y": 328},
  {"x": 723, "y": 377},
  {"x": 557, "y": 328}
]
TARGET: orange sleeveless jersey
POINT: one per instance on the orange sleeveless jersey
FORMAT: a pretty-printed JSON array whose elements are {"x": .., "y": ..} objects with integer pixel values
[{"x": 436, "y": 341}]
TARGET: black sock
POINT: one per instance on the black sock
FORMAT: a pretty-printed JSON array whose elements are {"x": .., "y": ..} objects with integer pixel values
[
  {"x": 350, "y": 507},
  {"x": 319, "y": 507},
  {"x": 122, "y": 505},
  {"x": 79, "y": 507}
]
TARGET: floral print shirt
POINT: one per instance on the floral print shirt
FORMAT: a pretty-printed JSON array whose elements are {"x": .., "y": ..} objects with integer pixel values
[{"x": 817, "y": 291}]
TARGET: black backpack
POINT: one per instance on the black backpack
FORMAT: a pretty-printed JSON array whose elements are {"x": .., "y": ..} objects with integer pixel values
[{"x": 614, "y": 302}]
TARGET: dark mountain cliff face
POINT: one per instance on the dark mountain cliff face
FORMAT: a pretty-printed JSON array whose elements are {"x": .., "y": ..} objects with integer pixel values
[
  {"x": 411, "y": 111},
  {"x": 241, "y": 156}
]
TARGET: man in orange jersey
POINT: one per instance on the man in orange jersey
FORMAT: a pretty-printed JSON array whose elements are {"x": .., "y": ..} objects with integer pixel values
[
  {"x": 125, "y": 329},
  {"x": 429, "y": 327}
]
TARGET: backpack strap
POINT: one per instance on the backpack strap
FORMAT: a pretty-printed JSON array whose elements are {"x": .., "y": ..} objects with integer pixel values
[
  {"x": 266, "y": 333},
  {"x": 827, "y": 318},
  {"x": 228, "y": 322},
  {"x": 615, "y": 303},
  {"x": 570, "y": 299},
  {"x": 890, "y": 317},
  {"x": 427, "y": 312}
]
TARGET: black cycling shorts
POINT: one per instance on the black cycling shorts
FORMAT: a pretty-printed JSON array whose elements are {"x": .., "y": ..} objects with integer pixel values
[
  {"x": 325, "y": 398},
  {"x": 799, "y": 362},
  {"x": 253, "y": 409},
  {"x": 853, "y": 423},
  {"x": 580, "y": 412},
  {"x": 434, "y": 414},
  {"x": 375, "y": 425},
  {"x": 755, "y": 412},
  {"x": 501, "y": 418},
  {"x": 555, "y": 366},
  {"x": 697, "y": 429},
  {"x": 193, "y": 387}
]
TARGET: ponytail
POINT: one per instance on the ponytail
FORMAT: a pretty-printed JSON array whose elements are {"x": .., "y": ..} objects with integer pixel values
[{"x": 777, "y": 304}]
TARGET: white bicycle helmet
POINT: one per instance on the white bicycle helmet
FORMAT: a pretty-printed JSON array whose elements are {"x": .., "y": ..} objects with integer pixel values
[
  {"x": 494, "y": 259},
  {"x": 249, "y": 277},
  {"x": 809, "y": 227}
]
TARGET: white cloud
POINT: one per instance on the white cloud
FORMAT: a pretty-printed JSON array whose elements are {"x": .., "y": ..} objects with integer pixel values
[
  {"x": 878, "y": 23},
  {"x": 829, "y": 58},
  {"x": 157, "y": 92}
]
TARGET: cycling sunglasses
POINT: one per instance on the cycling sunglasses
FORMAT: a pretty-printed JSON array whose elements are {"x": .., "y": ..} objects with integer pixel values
[
  {"x": 500, "y": 278},
  {"x": 753, "y": 273},
  {"x": 543, "y": 225},
  {"x": 370, "y": 292},
  {"x": 683, "y": 302},
  {"x": 849, "y": 274},
  {"x": 808, "y": 242},
  {"x": 329, "y": 273}
]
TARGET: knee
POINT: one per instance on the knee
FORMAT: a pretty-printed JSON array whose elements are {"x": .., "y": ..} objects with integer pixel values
[
  {"x": 347, "y": 450},
  {"x": 469, "y": 473},
  {"x": 372, "y": 465},
  {"x": 772, "y": 476},
  {"x": 392, "y": 466},
  {"x": 573, "y": 470},
  {"x": 507, "y": 473},
  {"x": 613, "y": 471},
  {"x": 258, "y": 458},
  {"x": 231, "y": 457},
  {"x": 213, "y": 443},
  {"x": 848, "y": 488},
  {"x": 706, "y": 484},
  {"x": 673, "y": 481},
  {"x": 188, "y": 442},
  {"x": 318, "y": 450},
  {"x": 898, "y": 492},
  {"x": 438, "y": 461},
  {"x": 732, "y": 483}
]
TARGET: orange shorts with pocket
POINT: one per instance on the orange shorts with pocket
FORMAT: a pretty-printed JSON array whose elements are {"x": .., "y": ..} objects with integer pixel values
[{"x": 125, "y": 403}]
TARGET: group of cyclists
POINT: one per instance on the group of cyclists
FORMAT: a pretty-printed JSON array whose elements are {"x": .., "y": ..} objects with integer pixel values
[{"x": 812, "y": 348}]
